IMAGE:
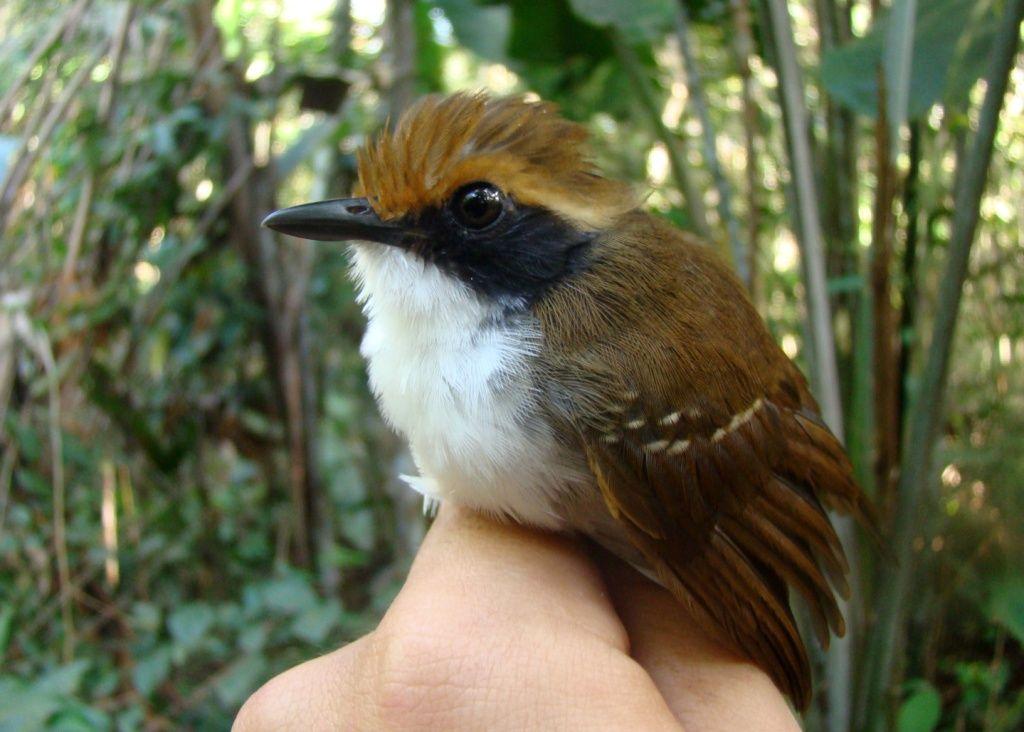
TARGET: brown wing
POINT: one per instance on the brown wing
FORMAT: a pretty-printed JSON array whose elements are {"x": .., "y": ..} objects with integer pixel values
[
  {"x": 703, "y": 438},
  {"x": 729, "y": 513}
]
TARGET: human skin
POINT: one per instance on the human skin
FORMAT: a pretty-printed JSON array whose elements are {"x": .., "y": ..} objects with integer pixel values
[{"x": 499, "y": 627}]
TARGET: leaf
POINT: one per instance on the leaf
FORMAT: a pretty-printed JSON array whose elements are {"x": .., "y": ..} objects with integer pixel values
[
  {"x": 28, "y": 706},
  {"x": 253, "y": 637},
  {"x": 24, "y": 707},
  {"x": 316, "y": 623},
  {"x": 63, "y": 680},
  {"x": 641, "y": 20},
  {"x": 922, "y": 709},
  {"x": 1007, "y": 607},
  {"x": 189, "y": 623},
  {"x": 549, "y": 34},
  {"x": 289, "y": 595},
  {"x": 145, "y": 616},
  {"x": 152, "y": 671},
  {"x": 6, "y": 623},
  {"x": 950, "y": 40},
  {"x": 483, "y": 30},
  {"x": 240, "y": 679}
]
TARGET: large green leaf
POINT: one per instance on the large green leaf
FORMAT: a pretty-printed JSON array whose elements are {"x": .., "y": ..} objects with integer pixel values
[
  {"x": 549, "y": 33},
  {"x": 482, "y": 29},
  {"x": 1006, "y": 607},
  {"x": 951, "y": 39},
  {"x": 641, "y": 20},
  {"x": 921, "y": 710}
]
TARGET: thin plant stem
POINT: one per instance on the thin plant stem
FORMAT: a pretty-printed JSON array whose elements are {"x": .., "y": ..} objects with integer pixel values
[{"x": 926, "y": 411}]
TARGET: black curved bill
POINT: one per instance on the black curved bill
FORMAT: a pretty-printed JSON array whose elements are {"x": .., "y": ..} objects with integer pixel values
[{"x": 339, "y": 219}]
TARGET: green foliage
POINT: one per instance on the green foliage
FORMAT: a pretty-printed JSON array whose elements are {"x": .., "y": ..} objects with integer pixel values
[
  {"x": 951, "y": 40},
  {"x": 1006, "y": 606},
  {"x": 921, "y": 710},
  {"x": 643, "y": 21}
]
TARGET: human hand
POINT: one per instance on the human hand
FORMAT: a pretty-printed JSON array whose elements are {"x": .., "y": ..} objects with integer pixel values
[{"x": 501, "y": 627}]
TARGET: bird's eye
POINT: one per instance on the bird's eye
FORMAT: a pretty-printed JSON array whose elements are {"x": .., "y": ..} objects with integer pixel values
[{"x": 477, "y": 205}]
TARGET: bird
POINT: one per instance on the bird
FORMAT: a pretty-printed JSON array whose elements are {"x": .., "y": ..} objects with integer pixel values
[{"x": 558, "y": 357}]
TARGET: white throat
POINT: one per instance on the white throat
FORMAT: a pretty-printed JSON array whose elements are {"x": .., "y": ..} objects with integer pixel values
[{"x": 451, "y": 372}]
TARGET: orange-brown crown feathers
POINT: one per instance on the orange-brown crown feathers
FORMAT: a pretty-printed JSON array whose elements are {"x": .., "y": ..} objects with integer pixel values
[{"x": 526, "y": 149}]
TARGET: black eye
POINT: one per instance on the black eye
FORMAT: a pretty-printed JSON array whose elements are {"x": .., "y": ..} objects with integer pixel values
[{"x": 477, "y": 205}]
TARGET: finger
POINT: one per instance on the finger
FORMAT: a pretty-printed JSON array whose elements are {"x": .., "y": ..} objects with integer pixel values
[
  {"x": 474, "y": 567},
  {"x": 497, "y": 628},
  {"x": 706, "y": 686},
  {"x": 325, "y": 693}
]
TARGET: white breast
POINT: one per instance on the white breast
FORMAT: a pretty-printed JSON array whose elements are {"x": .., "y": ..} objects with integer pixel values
[{"x": 450, "y": 372}]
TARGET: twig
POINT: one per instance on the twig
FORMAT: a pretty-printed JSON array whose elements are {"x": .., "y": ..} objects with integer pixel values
[
  {"x": 39, "y": 342},
  {"x": 25, "y": 158},
  {"x": 696, "y": 87},
  {"x": 67, "y": 21},
  {"x": 744, "y": 49},
  {"x": 106, "y": 108},
  {"x": 791, "y": 92},
  {"x": 674, "y": 146}
]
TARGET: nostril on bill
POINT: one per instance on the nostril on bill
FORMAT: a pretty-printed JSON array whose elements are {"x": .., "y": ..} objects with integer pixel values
[{"x": 357, "y": 209}]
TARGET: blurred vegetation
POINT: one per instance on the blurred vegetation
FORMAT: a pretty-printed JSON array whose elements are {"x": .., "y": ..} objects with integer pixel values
[{"x": 195, "y": 488}]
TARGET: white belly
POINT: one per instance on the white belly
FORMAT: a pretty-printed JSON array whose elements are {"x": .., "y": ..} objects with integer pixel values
[{"x": 450, "y": 373}]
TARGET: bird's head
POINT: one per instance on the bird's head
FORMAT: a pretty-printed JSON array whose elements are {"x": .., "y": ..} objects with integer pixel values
[{"x": 491, "y": 198}]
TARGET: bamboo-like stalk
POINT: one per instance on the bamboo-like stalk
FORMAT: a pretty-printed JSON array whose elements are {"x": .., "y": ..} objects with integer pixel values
[
  {"x": 108, "y": 95},
  {"x": 695, "y": 84},
  {"x": 38, "y": 341},
  {"x": 674, "y": 146},
  {"x": 926, "y": 412},
  {"x": 883, "y": 314},
  {"x": 24, "y": 158},
  {"x": 839, "y": 662},
  {"x": 908, "y": 312},
  {"x": 401, "y": 50},
  {"x": 743, "y": 45},
  {"x": 819, "y": 311}
]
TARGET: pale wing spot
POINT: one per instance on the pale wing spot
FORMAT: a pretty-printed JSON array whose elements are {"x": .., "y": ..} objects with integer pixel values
[
  {"x": 670, "y": 419},
  {"x": 610, "y": 438},
  {"x": 678, "y": 447},
  {"x": 636, "y": 424},
  {"x": 737, "y": 421},
  {"x": 657, "y": 445}
]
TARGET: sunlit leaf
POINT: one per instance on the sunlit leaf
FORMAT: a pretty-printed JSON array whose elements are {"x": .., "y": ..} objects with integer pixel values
[
  {"x": 949, "y": 54},
  {"x": 921, "y": 710}
]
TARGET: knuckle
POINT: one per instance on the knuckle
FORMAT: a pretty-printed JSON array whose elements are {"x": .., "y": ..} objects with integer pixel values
[
  {"x": 425, "y": 677},
  {"x": 262, "y": 710}
]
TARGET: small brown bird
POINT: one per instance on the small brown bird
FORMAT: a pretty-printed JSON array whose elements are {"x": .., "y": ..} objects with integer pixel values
[{"x": 560, "y": 358}]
